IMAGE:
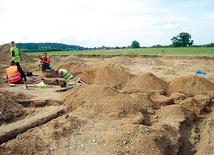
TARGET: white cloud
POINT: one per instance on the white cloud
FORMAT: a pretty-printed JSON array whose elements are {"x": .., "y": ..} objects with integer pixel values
[{"x": 100, "y": 22}]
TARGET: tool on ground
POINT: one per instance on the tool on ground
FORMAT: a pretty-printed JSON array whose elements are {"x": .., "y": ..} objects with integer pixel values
[
  {"x": 67, "y": 84},
  {"x": 25, "y": 84},
  {"x": 29, "y": 74},
  {"x": 42, "y": 85},
  {"x": 64, "y": 84},
  {"x": 80, "y": 81},
  {"x": 71, "y": 84},
  {"x": 57, "y": 81}
]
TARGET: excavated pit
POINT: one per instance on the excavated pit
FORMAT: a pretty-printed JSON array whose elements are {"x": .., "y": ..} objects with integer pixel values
[{"x": 130, "y": 105}]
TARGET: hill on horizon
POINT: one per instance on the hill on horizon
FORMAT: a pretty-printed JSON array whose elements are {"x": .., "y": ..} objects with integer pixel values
[{"x": 35, "y": 47}]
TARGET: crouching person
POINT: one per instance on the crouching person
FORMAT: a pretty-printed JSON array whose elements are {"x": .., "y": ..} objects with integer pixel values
[
  {"x": 45, "y": 62},
  {"x": 15, "y": 74},
  {"x": 64, "y": 74}
]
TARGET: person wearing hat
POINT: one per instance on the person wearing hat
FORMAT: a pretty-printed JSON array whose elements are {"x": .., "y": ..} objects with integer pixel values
[
  {"x": 15, "y": 74},
  {"x": 14, "y": 53},
  {"x": 63, "y": 73}
]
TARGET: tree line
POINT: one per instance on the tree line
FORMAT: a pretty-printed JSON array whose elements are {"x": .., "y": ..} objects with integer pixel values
[
  {"x": 181, "y": 40},
  {"x": 40, "y": 47}
]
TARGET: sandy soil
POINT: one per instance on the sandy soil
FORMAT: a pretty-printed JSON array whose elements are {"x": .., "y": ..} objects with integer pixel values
[{"x": 153, "y": 105}]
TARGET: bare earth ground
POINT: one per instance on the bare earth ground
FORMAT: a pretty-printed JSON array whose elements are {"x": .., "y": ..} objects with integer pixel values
[{"x": 130, "y": 105}]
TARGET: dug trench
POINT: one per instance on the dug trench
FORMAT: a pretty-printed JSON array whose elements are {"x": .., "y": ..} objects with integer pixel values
[
  {"x": 130, "y": 105},
  {"x": 110, "y": 117},
  {"x": 15, "y": 118}
]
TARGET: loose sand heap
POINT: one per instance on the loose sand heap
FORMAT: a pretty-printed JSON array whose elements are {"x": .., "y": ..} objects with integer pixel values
[{"x": 127, "y": 106}]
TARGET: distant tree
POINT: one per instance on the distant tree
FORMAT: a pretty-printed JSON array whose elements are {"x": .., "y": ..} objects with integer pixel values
[
  {"x": 209, "y": 45},
  {"x": 103, "y": 47},
  {"x": 157, "y": 46},
  {"x": 182, "y": 40},
  {"x": 135, "y": 44}
]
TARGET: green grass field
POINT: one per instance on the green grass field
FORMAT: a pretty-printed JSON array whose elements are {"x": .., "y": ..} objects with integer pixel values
[{"x": 200, "y": 51}]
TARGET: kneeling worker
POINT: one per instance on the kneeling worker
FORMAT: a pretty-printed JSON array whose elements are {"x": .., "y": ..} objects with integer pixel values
[
  {"x": 15, "y": 74},
  {"x": 45, "y": 62},
  {"x": 64, "y": 74}
]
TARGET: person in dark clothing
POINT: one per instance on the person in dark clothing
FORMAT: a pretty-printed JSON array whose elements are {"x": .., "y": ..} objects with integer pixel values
[{"x": 15, "y": 74}]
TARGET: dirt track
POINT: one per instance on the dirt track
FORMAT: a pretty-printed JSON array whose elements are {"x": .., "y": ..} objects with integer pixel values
[{"x": 140, "y": 105}]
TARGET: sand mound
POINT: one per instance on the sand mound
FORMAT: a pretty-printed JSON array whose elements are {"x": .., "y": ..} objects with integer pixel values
[
  {"x": 192, "y": 83},
  {"x": 74, "y": 68},
  {"x": 100, "y": 99},
  {"x": 2, "y": 73},
  {"x": 5, "y": 52},
  {"x": 145, "y": 83},
  {"x": 144, "y": 100},
  {"x": 176, "y": 113},
  {"x": 106, "y": 119},
  {"x": 107, "y": 74},
  {"x": 194, "y": 105}
]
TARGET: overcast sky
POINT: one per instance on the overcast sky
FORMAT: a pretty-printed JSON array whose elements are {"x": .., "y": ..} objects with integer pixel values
[{"x": 111, "y": 23}]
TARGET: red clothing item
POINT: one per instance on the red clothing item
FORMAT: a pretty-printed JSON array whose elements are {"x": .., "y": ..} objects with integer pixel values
[
  {"x": 13, "y": 74},
  {"x": 45, "y": 60}
]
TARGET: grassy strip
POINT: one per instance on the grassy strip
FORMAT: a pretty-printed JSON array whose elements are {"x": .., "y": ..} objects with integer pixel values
[{"x": 201, "y": 51}]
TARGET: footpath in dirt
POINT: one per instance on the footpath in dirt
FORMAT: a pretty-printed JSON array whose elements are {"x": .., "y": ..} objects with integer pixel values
[{"x": 130, "y": 105}]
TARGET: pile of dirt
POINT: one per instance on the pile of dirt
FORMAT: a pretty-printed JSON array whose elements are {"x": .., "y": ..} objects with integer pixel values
[
  {"x": 117, "y": 112},
  {"x": 100, "y": 100},
  {"x": 145, "y": 83},
  {"x": 171, "y": 131},
  {"x": 75, "y": 68},
  {"x": 200, "y": 108},
  {"x": 191, "y": 84},
  {"x": 3, "y": 74},
  {"x": 4, "y": 54},
  {"x": 176, "y": 112},
  {"x": 107, "y": 74}
]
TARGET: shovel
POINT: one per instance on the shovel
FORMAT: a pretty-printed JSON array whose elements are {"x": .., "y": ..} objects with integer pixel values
[
  {"x": 80, "y": 81},
  {"x": 25, "y": 84}
]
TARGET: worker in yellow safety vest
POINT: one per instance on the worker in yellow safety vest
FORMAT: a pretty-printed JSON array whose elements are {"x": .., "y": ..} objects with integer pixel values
[
  {"x": 63, "y": 73},
  {"x": 14, "y": 53}
]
